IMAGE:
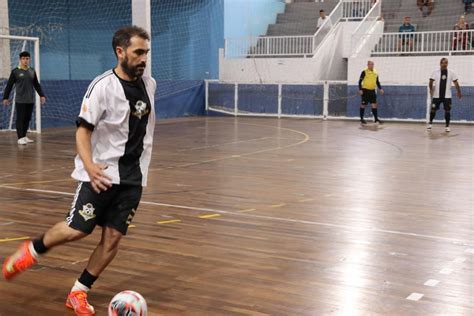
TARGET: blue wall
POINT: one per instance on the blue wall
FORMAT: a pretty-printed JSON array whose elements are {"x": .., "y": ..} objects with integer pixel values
[
  {"x": 76, "y": 37},
  {"x": 250, "y": 17}
]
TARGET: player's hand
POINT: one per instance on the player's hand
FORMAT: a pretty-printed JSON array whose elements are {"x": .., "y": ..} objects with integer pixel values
[
  {"x": 6, "y": 102},
  {"x": 42, "y": 100},
  {"x": 99, "y": 180},
  {"x": 360, "y": 92},
  {"x": 459, "y": 94},
  {"x": 382, "y": 92}
]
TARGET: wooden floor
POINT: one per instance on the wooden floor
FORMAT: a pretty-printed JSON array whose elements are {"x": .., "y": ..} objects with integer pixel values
[{"x": 263, "y": 217}]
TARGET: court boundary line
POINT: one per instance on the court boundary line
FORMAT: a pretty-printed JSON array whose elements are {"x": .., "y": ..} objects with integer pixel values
[{"x": 273, "y": 218}]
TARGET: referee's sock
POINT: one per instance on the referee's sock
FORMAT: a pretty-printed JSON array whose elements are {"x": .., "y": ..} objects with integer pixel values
[
  {"x": 375, "y": 112},
  {"x": 362, "y": 110}
]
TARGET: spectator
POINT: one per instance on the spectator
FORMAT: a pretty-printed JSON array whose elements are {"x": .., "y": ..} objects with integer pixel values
[
  {"x": 427, "y": 3},
  {"x": 460, "y": 38},
  {"x": 324, "y": 18},
  {"x": 404, "y": 39},
  {"x": 467, "y": 6}
]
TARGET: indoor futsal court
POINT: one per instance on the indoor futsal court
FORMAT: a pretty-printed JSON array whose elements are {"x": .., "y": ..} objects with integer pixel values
[
  {"x": 237, "y": 157},
  {"x": 264, "y": 217}
]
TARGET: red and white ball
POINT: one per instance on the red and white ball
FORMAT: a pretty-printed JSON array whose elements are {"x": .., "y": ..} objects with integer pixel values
[{"x": 128, "y": 303}]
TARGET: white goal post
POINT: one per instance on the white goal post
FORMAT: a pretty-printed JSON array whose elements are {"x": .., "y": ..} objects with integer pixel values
[{"x": 8, "y": 57}]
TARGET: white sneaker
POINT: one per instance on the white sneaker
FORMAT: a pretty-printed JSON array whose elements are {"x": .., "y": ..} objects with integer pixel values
[
  {"x": 22, "y": 141},
  {"x": 447, "y": 129},
  {"x": 29, "y": 140},
  {"x": 430, "y": 126}
]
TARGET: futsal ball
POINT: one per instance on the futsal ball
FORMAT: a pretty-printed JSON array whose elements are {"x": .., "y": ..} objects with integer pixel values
[{"x": 128, "y": 303}]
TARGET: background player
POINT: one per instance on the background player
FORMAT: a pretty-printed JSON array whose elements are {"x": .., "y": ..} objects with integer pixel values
[
  {"x": 26, "y": 82},
  {"x": 440, "y": 92},
  {"x": 368, "y": 83}
]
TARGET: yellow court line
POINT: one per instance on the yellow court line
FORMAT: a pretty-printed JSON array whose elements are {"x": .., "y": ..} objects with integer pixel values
[
  {"x": 306, "y": 200},
  {"x": 247, "y": 210},
  {"x": 210, "y": 216},
  {"x": 14, "y": 239},
  {"x": 132, "y": 226},
  {"x": 172, "y": 221},
  {"x": 278, "y": 205}
]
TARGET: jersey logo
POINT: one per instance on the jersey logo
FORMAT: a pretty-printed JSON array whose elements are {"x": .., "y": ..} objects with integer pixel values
[
  {"x": 84, "y": 108},
  {"x": 140, "y": 109},
  {"x": 87, "y": 211},
  {"x": 443, "y": 77},
  {"x": 21, "y": 75}
]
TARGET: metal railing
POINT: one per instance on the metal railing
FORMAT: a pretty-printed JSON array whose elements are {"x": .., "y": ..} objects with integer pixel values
[
  {"x": 418, "y": 43},
  {"x": 299, "y": 45},
  {"x": 362, "y": 32},
  {"x": 269, "y": 46},
  {"x": 356, "y": 9}
]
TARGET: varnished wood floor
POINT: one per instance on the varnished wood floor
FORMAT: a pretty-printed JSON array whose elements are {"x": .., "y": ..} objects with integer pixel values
[{"x": 263, "y": 217}]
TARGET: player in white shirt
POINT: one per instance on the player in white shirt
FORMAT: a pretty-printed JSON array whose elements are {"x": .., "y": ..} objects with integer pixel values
[
  {"x": 114, "y": 142},
  {"x": 440, "y": 92}
]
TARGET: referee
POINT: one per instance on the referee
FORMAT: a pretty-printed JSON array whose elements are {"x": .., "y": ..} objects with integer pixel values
[
  {"x": 440, "y": 92},
  {"x": 368, "y": 83},
  {"x": 26, "y": 82}
]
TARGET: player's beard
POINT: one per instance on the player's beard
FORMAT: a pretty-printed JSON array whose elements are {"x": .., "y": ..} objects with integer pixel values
[{"x": 133, "y": 71}]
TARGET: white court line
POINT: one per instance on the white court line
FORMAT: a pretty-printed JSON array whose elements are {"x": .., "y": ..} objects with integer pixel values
[
  {"x": 469, "y": 250},
  {"x": 446, "y": 271},
  {"x": 459, "y": 260},
  {"x": 431, "y": 282},
  {"x": 271, "y": 218},
  {"x": 415, "y": 296}
]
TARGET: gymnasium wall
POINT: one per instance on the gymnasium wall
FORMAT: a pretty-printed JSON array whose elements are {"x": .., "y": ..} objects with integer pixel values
[{"x": 75, "y": 47}]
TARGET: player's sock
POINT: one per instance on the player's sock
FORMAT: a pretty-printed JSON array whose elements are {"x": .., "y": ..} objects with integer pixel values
[
  {"x": 375, "y": 114},
  {"x": 362, "y": 110},
  {"x": 432, "y": 116},
  {"x": 447, "y": 117},
  {"x": 37, "y": 247},
  {"x": 85, "y": 282}
]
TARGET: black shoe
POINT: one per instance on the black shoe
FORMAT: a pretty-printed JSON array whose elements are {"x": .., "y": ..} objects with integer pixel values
[
  {"x": 363, "y": 122},
  {"x": 379, "y": 121}
]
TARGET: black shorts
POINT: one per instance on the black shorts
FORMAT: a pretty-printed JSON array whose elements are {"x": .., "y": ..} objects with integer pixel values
[
  {"x": 436, "y": 104},
  {"x": 369, "y": 97},
  {"x": 113, "y": 208}
]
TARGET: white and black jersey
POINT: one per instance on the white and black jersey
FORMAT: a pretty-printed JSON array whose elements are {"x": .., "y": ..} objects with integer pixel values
[
  {"x": 443, "y": 80},
  {"x": 121, "y": 115}
]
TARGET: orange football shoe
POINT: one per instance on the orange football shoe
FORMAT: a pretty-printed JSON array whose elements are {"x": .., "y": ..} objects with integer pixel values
[
  {"x": 20, "y": 261},
  {"x": 77, "y": 301}
]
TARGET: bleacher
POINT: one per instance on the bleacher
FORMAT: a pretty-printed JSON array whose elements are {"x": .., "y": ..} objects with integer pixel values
[{"x": 443, "y": 18}]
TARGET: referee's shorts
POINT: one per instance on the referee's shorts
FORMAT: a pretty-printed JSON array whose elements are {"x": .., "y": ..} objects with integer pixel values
[{"x": 369, "y": 97}]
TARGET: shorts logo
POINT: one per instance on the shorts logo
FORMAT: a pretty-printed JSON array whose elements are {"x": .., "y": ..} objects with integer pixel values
[
  {"x": 141, "y": 109},
  {"x": 87, "y": 211},
  {"x": 130, "y": 217}
]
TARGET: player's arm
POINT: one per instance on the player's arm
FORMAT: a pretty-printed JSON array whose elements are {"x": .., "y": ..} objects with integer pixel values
[
  {"x": 8, "y": 88},
  {"x": 379, "y": 86},
  {"x": 362, "y": 76},
  {"x": 38, "y": 89},
  {"x": 458, "y": 89},
  {"x": 99, "y": 180}
]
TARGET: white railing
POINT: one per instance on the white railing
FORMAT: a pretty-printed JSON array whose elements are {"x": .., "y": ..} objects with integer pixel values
[
  {"x": 425, "y": 43},
  {"x": 304, "y": 45},
  {"x": 356, "y": 9},
  {"x": 269, "y": 46},
  {"x": 362, "y": 32}
]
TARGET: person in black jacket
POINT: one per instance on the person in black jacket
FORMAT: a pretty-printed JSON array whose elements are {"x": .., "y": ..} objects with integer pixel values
[{"x": 26, "y": 82}]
